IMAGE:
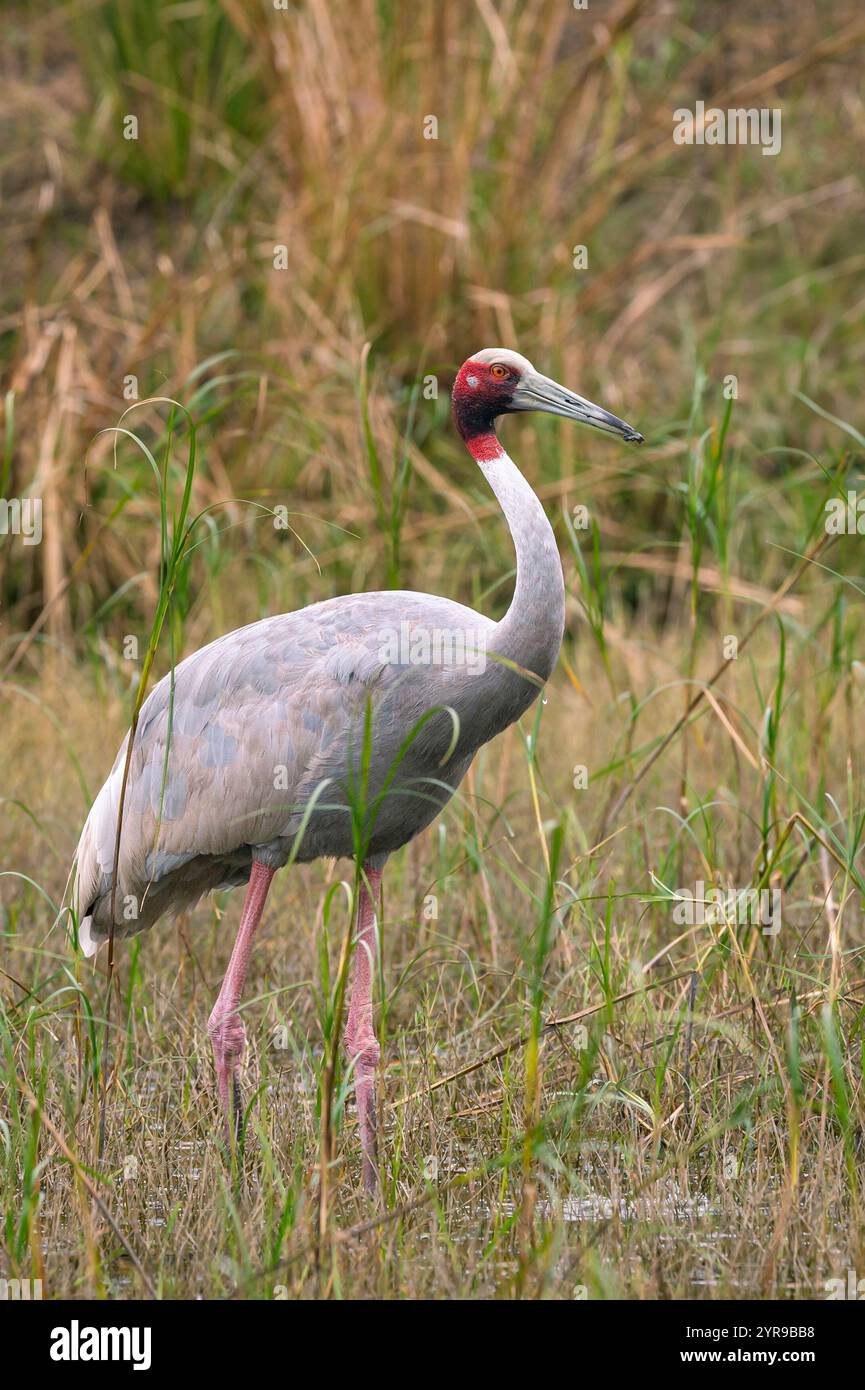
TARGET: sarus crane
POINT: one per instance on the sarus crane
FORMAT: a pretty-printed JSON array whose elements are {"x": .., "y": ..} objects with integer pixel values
[{"x": 339, "y": 730}]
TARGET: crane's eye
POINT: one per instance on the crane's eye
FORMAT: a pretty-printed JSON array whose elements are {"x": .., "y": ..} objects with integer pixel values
[{"x": 499, "y": 372}]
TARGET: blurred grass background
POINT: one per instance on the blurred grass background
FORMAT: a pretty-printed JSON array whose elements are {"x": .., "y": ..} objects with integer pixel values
[
  {"x": 304, "y": 128},
  {"x": 148, "y": 267}
]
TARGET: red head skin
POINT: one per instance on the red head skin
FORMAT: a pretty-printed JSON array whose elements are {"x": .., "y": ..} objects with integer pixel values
[{"x": 481, "y": 392}]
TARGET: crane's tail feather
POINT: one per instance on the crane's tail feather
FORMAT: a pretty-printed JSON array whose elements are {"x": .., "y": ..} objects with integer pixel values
[
  {"x": 85, "y": 887},
  {"x": 87, "y": 942},
  {"x": 93, "y": 865}
]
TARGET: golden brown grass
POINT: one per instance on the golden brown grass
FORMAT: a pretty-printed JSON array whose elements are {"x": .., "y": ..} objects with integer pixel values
[{"x": 663, "y": 1166}]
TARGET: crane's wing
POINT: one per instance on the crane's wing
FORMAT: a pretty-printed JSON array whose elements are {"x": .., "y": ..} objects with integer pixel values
[{"x": 229, "y": 752}]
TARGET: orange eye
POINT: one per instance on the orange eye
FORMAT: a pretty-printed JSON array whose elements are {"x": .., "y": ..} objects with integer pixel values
[{"x": 499, "y": 371}]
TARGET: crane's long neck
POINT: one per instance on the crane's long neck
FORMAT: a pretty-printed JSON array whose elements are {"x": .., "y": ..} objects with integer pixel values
[{"x": 530, "y": 633}]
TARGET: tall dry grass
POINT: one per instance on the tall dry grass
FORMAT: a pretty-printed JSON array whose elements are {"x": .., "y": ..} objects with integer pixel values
[{"x": 304, "y": 129}]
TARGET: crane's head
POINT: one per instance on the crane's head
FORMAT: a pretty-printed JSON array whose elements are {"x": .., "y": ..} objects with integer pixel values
[{"x": 496, "y": 381}]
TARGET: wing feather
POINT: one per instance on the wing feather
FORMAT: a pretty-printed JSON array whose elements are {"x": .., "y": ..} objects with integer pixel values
[{"x": 227, "y": 751}]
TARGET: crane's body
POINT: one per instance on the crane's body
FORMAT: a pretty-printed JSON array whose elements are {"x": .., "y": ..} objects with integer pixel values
[
  {"x": 338, "y": 730},
  {"x": 265, "y": 719}
]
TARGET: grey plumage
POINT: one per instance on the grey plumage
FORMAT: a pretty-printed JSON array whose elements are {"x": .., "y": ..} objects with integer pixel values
[
  {"x": 270, "y": 718},
  {"x": 261, "y": 718}
]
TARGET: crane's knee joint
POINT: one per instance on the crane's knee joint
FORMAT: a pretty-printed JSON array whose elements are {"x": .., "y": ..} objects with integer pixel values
[
  {"x": 363, "y": 1050},
  {"x": 227, "y": 1034}
]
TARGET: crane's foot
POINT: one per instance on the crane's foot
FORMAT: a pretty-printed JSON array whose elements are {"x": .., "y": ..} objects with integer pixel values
[
  {"x": 228, "y": 1037},
  {"x": 365, "y": 1057}
]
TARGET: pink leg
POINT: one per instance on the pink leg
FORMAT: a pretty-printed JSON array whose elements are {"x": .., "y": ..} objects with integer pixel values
[
  {"x": 225, "y": 1026},
  {"x": 360, "y": 1040}
]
